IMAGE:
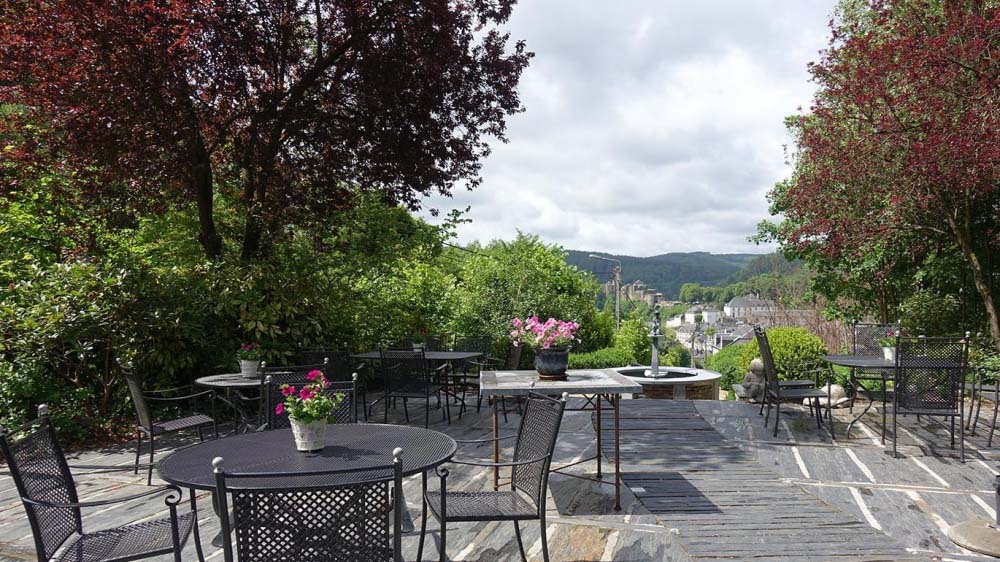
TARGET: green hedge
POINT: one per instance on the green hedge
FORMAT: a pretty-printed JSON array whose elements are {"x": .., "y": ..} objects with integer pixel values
[
  {"x": 729, "y": 362},
  {"x": 606, "y": 358},
  {"x": 789, "y": 346}
]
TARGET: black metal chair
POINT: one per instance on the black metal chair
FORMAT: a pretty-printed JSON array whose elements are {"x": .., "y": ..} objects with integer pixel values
[
  {"x": 866, "y": 340},
  {"x": 775, "y": 393},
  {"x": 983, "y": 376},
  {"x": 510, "y": 363},
  {"x": 930, "y": 381},
  {"x": 346, "y": 411},
  {"x": 525, "y": 501},
  {"x": 341, "y": 368},
  {"x": 406, "y": 374},
  {"x": 465, "y": 373},
  {"x": 48, "y": 492},
  {"x": 146, "y": 425},
  {"x": 331, "y": 515}
]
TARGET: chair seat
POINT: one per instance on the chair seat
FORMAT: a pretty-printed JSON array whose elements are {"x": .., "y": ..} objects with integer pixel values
[
  {"x": 797, "y": 383},
  {"x": 800, "y": 393},
  {"x": 484, "y": 506},
  {"x": 181, "y": 423},
  {"x": 128, "y": 542}
]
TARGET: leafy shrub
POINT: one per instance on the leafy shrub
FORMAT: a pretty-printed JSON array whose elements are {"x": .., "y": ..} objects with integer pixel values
[
  {"x": 928, "y": 313},
  {"x": 728, "y": 362},
  {"x": 676, "y": 356},
  {"x": 633, "y": 337},
  {"x": 789, "y": 346},
  {"x": 608, "y": 357}
]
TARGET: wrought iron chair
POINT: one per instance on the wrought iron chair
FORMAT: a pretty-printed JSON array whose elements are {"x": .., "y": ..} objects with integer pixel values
[
  {"x": 465, "y": 373},
  {"x": 865, "y": 341},
  {"x": 930, "y": 381},
  {"x": 510, "y": 363},
  {"x": 346, "y": 411},
  {"x": 775, "y": 393},
  {"x": 406, "y": 374},
  {"x": 981, "y": 377},
  {"x": 353, "y": 514},
  {"x": 342, "y": 368},
  {"x": 525, "y": 501},
  {"x": 146, "y": 425},
  {"x": 48, "y": 492}
]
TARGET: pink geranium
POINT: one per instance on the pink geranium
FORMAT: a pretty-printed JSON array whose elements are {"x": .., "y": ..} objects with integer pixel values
[
  {"x": 287, "y": 390},
  {"x": 311, "y": 402},
  {"x": 551, "y": 333},
  {"x": 313, "y": 374},
  {"x": 279, "y": 409}
]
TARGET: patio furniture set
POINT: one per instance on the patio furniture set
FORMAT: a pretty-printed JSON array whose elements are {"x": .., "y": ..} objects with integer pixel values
[
  {"x": 925, "y": 376},
  {"x": 343, "y": 501}
]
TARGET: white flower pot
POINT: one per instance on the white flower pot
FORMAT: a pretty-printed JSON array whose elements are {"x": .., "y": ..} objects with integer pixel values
[
  {"x": 249, "y": 368},
  {"x": 309, "y": 436},
  {"x": 889, "y": 353}
]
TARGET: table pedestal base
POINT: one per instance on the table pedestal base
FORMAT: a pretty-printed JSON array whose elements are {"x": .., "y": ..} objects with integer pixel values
[{"x": 977, "y": 535}]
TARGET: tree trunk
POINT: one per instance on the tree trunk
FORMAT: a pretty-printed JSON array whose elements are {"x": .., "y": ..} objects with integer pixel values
[
  {"x": 201, "y": 177},
  {"x": 978, "y": 278}
]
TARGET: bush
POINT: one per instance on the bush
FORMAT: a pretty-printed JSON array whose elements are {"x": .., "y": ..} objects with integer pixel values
[
  {"x": 633, "y": 338},
  {"x": 728, "y": 362},
  {"x": 676, "y": 356},
  {"x": 606, "y": 358},
  {"x": 789, "y": 346}
]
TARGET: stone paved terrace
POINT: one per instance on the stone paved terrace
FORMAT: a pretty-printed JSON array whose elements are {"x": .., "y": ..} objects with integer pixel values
[{"x": 705, "y": 482}]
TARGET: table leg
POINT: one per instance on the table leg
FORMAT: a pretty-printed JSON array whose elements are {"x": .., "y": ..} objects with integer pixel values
[
  {"x": 599, "y": 430},
  {"x": 194, "y": 526},
  {"x": 616, "y": 403},
  {"x": 864, "y": 411},
  {"x": 496, "y": 444}
]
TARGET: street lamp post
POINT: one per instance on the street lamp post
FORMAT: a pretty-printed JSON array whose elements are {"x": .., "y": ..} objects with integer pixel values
[{"x": 618, "y": 287}]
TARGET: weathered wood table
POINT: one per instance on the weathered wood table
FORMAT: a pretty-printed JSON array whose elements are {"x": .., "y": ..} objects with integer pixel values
[{"x": 594, "y": 385}]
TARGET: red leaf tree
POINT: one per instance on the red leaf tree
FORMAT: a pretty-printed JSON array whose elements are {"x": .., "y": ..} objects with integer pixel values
[
  {"x": 902, "y": 142},
  {"x": 291, "y": 105}
]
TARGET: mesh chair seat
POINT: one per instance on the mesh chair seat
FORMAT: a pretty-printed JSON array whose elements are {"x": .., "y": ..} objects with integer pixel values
[
  {"x": 182, "y": 423},
  {"x": 484, "y": 506},
  {"x": 802, "y": 393},
  {"x": 128, "y": 542}
]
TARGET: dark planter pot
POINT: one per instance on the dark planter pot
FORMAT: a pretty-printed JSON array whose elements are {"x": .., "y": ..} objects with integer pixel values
[{"x": 552, "y": 363}]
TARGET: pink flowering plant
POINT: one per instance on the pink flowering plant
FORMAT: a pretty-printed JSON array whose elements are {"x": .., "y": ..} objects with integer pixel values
[
  {"x": 249, "y": 352},
  {"x": 544, "y": 335},
  {"x": 890, "y": 338},
  {"x": 311, "y": 402}
]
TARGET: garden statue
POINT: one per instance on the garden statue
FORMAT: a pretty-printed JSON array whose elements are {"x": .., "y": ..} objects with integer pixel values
[{"x": 754, "y": 381}]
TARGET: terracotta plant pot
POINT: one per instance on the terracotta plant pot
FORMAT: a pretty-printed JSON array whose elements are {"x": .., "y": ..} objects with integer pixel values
[
  {"x": 552, "y": 363},
  {"x": 309, "y": 436},
  {"x": 249, "y": 368}
]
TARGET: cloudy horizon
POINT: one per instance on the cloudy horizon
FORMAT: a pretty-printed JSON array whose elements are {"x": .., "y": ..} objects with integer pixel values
[{"x": 648, "y": 131}]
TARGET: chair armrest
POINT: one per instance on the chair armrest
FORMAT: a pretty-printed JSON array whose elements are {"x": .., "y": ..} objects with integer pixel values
[
  {"x": 100, "y": 503},
  {"x": 166, "y": 390},
  {"x": 487, "y": 440},
  {"x": 500, "y": 464},
  {"x": 176, "y": 398}
]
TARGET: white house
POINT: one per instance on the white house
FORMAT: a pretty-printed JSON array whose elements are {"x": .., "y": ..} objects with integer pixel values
[{"x": 747, "y": 306}]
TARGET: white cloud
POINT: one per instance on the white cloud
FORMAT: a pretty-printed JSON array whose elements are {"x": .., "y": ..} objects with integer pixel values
[{"x": 652, "y": 126}]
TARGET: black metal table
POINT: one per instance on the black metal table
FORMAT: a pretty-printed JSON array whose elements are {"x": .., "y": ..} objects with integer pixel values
[
  {"x": 236, "y": 384},
  {"x": 430, "y": 355},
  {"x": 862, "y": 362},
  {"x": 348, "y": 446}
]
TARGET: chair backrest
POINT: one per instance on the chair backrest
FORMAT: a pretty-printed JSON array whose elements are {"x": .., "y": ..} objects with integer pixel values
[
  {"x": 513, "y": 357},
  {"x": 404, "y": 366},
  {"x": 320, "y": 516},
  {"x": 480, "y": 344},
  {"x": 770, "y": 370},
  {"x": 340, "y": 366},
  {"x": 931, "y": 372},
  {"x": 866, "y": 340},
  {"x": 143, "y": 414},
  {"x": 40, "y": 473},
  {"x": 429, "y": 343},
  {"x": 344, "y": 413},
  {"x": 536, "y": 437},
  {"x": 322, "y": 366}
]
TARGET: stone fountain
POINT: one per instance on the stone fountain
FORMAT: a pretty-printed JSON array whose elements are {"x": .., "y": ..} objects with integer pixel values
[{"x": 654, "y": 369}]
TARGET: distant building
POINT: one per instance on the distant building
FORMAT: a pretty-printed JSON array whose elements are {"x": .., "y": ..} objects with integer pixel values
[
  {"x": 730, "y": 336},
  {"x": 748, "y": 306},
  {"x": 709, "y": 316},
  {"x": 636, "y": 291}
]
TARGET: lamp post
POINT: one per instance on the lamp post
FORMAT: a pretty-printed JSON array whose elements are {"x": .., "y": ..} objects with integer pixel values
[{"x": 618, "y": 286}]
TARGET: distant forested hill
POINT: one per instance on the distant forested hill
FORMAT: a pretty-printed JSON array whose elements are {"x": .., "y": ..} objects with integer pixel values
[{"x": 667, "y": 272}]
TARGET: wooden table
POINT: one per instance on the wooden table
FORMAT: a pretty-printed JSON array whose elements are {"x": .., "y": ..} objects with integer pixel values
[{"x": 593, "y": 385}]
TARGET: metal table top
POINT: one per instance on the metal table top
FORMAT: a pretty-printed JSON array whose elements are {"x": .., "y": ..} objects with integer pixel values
[
  {"x": 228, "y": 380},
  {"x": 348, "y": 446},
  {"x": 430, "y": 355},
  {"x": 877, "y": 362},
  {"x": 583, "y": 381}
]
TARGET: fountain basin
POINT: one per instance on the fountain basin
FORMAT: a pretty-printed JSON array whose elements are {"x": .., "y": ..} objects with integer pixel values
[{"x": 676, "y": 383}]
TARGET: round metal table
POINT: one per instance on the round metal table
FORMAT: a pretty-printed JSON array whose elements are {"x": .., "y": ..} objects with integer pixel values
[
  {"x": 228, "y": 381},
  {"x": 347, "y": 446}
]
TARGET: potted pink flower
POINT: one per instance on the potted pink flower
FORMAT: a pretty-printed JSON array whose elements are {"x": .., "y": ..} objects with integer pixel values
[
  {"x": 551, "y": 341},
  {"x": 309, "y": 409},
  {"x": 249, "y": 357}
]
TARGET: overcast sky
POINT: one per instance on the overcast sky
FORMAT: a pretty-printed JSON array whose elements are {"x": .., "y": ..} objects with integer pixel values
[{"x": 651, "y": 126}]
